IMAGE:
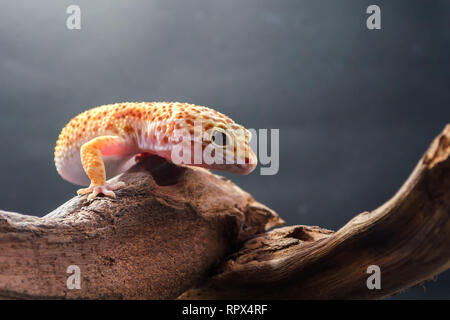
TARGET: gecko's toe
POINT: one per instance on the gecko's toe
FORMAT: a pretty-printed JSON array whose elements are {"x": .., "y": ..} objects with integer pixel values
[
  {"x": 116, "y": 185},
  {"x": 107, "y": 190},
  {"x": 85, "y": 191}
]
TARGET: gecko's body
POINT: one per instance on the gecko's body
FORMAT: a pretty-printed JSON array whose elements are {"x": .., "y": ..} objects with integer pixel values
[{"x": 106, "y": 139}]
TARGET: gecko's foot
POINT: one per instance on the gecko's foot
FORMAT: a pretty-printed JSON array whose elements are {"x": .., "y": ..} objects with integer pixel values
[{"x": 107, "y": 189}]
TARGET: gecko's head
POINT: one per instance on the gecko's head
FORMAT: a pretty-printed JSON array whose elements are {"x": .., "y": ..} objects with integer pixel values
[{"x": 215, "y": 141}]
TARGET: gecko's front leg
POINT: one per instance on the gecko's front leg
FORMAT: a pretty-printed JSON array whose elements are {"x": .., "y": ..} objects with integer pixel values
[{"x": 91, "y": 158}]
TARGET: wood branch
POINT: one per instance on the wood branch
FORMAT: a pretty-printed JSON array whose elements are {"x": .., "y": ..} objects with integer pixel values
[
  {"x": 408, "y": 237},
  {"x": 168, "y": 234},
  {"x": 162, "y": 234}
]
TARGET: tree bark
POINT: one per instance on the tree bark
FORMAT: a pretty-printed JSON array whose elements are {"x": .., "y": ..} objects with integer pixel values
[
  {"x": 184, "y": 232},
  {"x": 162, "y": 234}
]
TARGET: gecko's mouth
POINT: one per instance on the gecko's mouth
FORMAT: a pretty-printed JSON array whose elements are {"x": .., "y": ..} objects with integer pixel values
[{"x": 246, "y": 168}]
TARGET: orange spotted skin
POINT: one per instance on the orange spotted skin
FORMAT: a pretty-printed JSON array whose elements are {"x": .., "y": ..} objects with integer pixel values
[{"x": 103, "y": 141}]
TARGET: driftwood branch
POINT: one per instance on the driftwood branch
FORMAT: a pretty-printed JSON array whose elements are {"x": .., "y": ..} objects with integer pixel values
[
  {"x": 408, "y": 237},
  {"x": 184, "y": 232},
  {"x": 162, "y": 234}
]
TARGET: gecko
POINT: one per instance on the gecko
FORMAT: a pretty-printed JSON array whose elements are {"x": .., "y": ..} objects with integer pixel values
[{"x": 105, "y": 141}]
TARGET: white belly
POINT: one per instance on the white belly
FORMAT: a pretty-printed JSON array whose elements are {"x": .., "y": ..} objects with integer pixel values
[{"x": 72, "y": 169}]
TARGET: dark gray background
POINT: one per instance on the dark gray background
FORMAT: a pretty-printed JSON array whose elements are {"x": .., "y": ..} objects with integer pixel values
[{"x": 355, "y": 108}]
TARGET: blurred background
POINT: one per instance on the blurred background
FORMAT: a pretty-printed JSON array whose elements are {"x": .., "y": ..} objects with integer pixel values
[{"x": 356, "y": 108}]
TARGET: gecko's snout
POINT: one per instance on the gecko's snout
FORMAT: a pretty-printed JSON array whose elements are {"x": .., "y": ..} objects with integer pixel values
[{"x": 242, "y": 164}]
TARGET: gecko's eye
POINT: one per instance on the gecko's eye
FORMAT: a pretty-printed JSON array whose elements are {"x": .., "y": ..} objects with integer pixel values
[{"x": 219, "y": 138}]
